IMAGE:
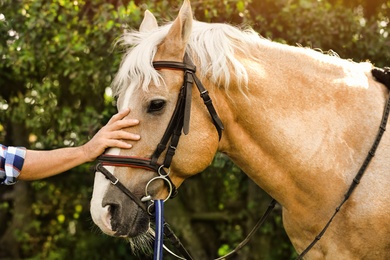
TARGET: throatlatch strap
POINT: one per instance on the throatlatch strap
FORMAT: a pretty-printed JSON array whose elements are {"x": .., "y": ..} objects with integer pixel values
[{"x": 159, "y": 233}]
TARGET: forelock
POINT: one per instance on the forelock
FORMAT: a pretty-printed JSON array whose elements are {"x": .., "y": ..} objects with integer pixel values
[
  {"x": 214, "y": 45},
  {"x": 136, "y": 69}
]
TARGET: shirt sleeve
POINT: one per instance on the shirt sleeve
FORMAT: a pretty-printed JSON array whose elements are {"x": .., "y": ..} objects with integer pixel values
[{"x": 11, "y": 163}]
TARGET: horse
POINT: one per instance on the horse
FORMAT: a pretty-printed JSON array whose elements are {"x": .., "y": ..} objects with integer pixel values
[{"x": 297, "y": 121}]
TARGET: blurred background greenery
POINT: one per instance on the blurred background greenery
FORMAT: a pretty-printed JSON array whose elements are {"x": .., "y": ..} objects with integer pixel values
[{"x": 57, "y": 62}]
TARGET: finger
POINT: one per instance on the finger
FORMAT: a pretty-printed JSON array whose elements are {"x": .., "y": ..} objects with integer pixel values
[
  {"x": 118, "y": 116},
  {"x": 120, "y": 144},
  {"x": 121, "y": 134},
  {"x": 125, "y": 123}
]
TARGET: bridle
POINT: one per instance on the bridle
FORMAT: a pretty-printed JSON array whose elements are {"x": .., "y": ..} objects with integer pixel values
[{"x": 178, "y": 123}]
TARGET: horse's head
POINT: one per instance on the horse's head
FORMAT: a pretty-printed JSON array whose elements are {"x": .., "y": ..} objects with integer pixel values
[{"x": 154, "y": 91}]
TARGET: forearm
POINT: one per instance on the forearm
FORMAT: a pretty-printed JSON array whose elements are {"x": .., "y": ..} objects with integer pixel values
[
  {"x": 42, "y": 164},
  {"x": 34, "y": 165}
]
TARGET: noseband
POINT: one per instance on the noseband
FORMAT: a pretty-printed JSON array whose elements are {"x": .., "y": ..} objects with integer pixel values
[{"x": 178, "y": 123}]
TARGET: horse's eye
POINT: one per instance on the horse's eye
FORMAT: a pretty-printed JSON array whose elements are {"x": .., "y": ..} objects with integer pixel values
[{"x": 156, "y": 105}]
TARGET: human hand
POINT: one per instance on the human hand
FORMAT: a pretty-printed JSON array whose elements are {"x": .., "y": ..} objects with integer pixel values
[{"x": 111, "y": 135}]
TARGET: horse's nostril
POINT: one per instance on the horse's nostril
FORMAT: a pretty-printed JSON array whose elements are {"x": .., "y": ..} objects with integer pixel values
[{"x": 114, "y": 210}]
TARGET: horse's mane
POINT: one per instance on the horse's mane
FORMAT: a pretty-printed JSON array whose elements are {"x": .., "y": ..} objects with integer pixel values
[{"x": 213, "y": 45}]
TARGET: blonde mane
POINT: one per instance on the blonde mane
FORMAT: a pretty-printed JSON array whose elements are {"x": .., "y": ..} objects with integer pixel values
[{"x": 214, "y": 46}]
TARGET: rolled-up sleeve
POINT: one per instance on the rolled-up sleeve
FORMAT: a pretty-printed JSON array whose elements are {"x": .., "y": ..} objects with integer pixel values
[{"x": 11, "y": 163}]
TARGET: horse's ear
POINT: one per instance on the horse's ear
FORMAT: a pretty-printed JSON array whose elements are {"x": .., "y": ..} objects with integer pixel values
[
  {"x": 185, "y": 20},
  {"x": 181, "y": 29},
  {"x": 148, "y": 23}
]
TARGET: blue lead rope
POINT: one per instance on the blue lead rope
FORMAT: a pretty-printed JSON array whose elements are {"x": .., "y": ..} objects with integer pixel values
[{"x": 159, "y": 235}]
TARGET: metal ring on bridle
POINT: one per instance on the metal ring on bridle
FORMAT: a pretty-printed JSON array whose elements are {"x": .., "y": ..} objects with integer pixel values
[
  {"x": 162, "y": 168},
  {"x": 162, "y": 177}
]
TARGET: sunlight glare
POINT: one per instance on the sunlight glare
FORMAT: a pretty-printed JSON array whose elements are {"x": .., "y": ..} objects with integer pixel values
[{"x": 108, "y": 92}]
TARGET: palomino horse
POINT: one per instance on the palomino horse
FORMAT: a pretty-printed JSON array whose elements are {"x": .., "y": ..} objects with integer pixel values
[{"x": 298, "y": 122}]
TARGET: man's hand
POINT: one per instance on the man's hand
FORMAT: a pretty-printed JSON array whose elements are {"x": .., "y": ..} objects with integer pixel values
[{"x": 112, "y": 135}]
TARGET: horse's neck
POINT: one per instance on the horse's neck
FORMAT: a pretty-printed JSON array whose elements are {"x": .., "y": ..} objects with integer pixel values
[{"x": 308, "y": 122}]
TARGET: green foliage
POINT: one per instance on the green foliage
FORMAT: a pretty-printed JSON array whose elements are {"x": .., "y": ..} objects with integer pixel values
[
  {"x": 319, "y": 24},
  {"x": 57, "y": 59}
]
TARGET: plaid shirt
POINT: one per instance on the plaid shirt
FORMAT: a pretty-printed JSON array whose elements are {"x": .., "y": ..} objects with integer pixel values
[{"x": 11, "y": 163}]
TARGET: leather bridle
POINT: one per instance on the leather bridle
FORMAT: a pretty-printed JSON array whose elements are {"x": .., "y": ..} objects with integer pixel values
[{"x": 178, "y": 123}]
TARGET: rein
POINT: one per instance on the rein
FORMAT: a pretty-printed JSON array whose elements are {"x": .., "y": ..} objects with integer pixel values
[{"x": 382, "y": 76}]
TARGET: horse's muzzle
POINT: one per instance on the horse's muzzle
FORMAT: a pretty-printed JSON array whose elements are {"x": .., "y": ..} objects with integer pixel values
[{"x": 126, "y": 218}]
